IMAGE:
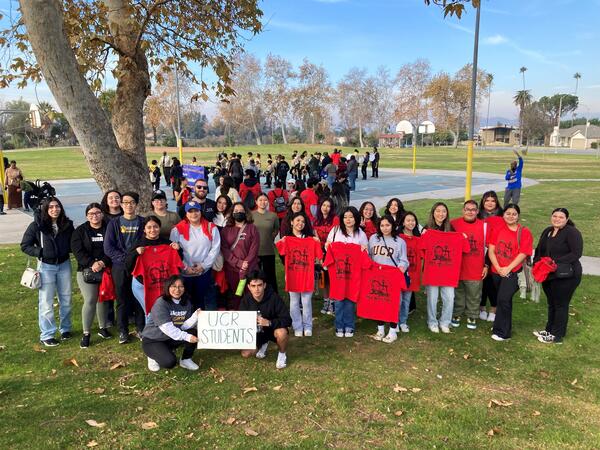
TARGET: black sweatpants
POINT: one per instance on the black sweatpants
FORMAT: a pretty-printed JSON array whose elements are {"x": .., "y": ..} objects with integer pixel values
[
  {"x": 267, "y": 264},
  {"x": 559, "y": 292},
  {"x": 363, "y": 171},
  {"x": 167, "y": 174},
  {"x": 375, "y": 169},
  {"x": 505, "y": 289},
  {"x": 126, "y": 303},
  {"x": 488, "y": 291},
  {"x": 163, "y": 352}
]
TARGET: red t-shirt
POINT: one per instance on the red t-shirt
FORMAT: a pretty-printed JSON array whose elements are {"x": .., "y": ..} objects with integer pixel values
[
  {"x": 155, "y": 265},
  {"x": 380, "y": 290},
  {"x": 415, "y": 261},
  {"x": 300, "y": 255},
  {"x": 370, "y": 229},
  {"x": 336, "y": 157},
  {"x": 323, "y": 230},
  {"x": 506, "y": 243},
  {"x": 442, "y": 253},
  {"x": 344, "y": 264},
  {"x": 472, "y": 264},
  {"x": 493, "y": 222},
  {"x": 309, "y": 198}
]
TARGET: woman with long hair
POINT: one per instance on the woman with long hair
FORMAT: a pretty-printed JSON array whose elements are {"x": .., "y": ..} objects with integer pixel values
[
  {"x": 563, "y": 243},
  {"x": 267, "y": 224},
  {"x": 48, "y": 238},
  {"x": 338, "y": 195},
  {"x": 227, "y": 188},
  {"x": 295, "y": 205},
  {"x": 395, "y": 208},
  {"x": 224, "y": 206},
  {"x": 111, "y": 205},
  {"x": 324, "y": 222},
  {"x": 508, "y": 248},
  {"x": 87, "y": 244},
  {"x": 410, "y": 231},
  {"x": 12, "y": 180},
  {"x": 368, "y": 218}
]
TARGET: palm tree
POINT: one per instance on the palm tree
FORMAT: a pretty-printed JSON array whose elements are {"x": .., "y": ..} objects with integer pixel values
[
  {"x": 522, "y": 99},
  {"x": 577, "y": 76},
  {"x": 490, "y": 79},
  {"x": 523, "y": 70}
]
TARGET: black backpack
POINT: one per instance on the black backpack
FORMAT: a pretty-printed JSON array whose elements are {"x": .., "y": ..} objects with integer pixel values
[{"x": 279, "y": 203}]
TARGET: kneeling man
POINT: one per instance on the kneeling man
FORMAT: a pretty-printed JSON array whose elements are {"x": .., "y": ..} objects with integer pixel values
[{"x": 273, "y": 318}]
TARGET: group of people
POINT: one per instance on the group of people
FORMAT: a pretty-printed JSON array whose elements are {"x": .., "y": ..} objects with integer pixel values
[{"x": 167, "y": 266}]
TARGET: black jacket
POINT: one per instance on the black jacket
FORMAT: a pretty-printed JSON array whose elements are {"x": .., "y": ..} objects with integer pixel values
[
  {"x": 55, "y": 249},
  {"x": 271, "y": 307},
  {"x": 565, "y": 247},
  {"x": 85, "y": 252}
]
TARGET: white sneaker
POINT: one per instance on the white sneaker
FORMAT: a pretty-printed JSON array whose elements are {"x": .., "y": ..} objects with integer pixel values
[
  {"x": 434, "y": 329},
  {"x": 523, "y": 293},
  {"x": 281, "y": 361},
  {"x": 153, "y": 365},
  {"x": 308, "y": 333},
  {"x": 483, "y": 315},
  {"x": 498, "y": 338},
  {"x": 262, "y": 352},
  {"x": 189, "y": 364},
  {"x": 379, "y": 335},
  {"x": 349, "y": 334},
  {"x": 298, "y": 333},
  {"x": 391, "y": 337},
  {"x": 404, "y": 328},
  {"x": 445, "y": 330},
  {"x": 339, "y": 334},
  {"x": 491, "y": 317}
]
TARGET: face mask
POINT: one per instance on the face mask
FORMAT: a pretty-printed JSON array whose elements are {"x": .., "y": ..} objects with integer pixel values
[{"x": 239, "y": 217}]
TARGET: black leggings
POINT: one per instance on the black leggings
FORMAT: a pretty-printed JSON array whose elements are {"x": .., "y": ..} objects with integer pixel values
[
  {"x": 488, "y": 291},
  {"x": 126, "y": 303},
  {"x": 505, "y": 288},
  {"x": 559, "y": 293},
  {"x": 267, "y": 264},
  {"x": 163, "y": 352}
]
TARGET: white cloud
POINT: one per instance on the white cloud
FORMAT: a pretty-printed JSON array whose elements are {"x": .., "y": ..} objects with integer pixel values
[
  {"x": 298, "y": 27},
  {"x": 495, "y": 39},
  {"x": 459, "y": 27}
]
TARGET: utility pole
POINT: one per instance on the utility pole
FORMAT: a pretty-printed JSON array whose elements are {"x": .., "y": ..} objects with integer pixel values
[{"x": 179, "y": 141}]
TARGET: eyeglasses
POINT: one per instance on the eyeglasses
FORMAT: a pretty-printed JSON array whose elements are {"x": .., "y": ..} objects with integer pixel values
[
  {"x": 128, "y": 203},
  {"x": 200, "y": 187},
  {"x": 94, "y": 214}
]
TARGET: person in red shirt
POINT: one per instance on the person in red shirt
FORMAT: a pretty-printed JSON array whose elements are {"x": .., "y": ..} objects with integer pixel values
[
  {"x": 490, "y": 212},
  {"x": 300, "y": 251},
  {"x": 250, "y": 185},
  {"x": 278, "y": 200},
  {"x": 467, "y": 296},
  {"x": 410, "y": 232},
  {"x": 324, "y": 222},
  {"x": 368, "y": 218},
  {"x": 336, "y": 156},
  {"x": 509, "y": 246},
  {"x": 442, "y": 256},
  {"x": 310, "y": 198}
]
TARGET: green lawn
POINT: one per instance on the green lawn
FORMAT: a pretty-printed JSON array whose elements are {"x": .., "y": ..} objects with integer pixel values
[{"x": 68, "y": 163}]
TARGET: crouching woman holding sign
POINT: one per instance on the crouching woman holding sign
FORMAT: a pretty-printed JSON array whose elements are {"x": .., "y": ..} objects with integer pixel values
[
  {"x": 272, "y": 318},
  {"x": 171, "y": 325}
]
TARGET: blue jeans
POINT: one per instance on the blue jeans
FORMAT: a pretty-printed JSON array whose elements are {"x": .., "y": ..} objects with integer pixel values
[
  {"x": 201, "y": 290},
  {"x": 404, "y": 306},
  {"x": 345, "y": 315},
  {"x": 301, "y": 320},
  {"x": 352, "y": 179},
  {"x": 447, "y": 293},
  {"x": 330, "y": 180},
  {"x": 138, "y": 292},
  {"x": 56, "y": 280}
]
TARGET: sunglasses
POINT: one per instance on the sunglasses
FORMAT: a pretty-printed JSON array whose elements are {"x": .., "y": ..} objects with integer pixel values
[{"x": 203, "y": 188}]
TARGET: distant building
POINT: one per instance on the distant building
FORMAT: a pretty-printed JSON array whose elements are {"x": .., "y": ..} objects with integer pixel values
[
  {"x": 579, "y": 137},
  {"x": 393, "y": 140},
  {"x": 500, "y": 134}
]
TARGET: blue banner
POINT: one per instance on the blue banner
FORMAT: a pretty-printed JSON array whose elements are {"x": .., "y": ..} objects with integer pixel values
[{"x": 193, "y": 173}]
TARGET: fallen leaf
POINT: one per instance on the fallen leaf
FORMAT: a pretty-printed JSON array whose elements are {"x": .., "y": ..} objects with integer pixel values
[
  {"x": 2, "y": 347},
  {"x": 93, "y": 423},
  {"x": 71, "y": 362},
  {"x": 574, "y": 382},
  {"x": 277, "y": 388},
  {"x": 92, "y": 444},
  {"x": 537, "y": 413},
  {"x": 249, "y": 389},
  {"x": 117, "y": 365},
  {"x": 398, "y": 413},
  {"x": 189, "y": 436},
  {"x": 400, "y": 389},
  {"x": 250, "y": 432},
  {"x": 494, "y": 431},
  {"x": 494, "y": 402},
  {"x": 416, "y": 389},
  {"x": 149, "y": 425},
  {"x": 466, "y": 356},
  {"x": 53, "y": 371},
  {"x": 230, "y": 421},
  {"x": 99, "y": 390},
  {"x": 38, "y": 348}
]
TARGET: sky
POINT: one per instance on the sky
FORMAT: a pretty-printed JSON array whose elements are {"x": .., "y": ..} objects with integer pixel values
[{"x": 552, "y": 38}]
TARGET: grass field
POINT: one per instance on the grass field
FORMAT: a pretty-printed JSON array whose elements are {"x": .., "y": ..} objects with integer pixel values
[
  {"x": 423, "y": 391},
  {"x": 69, "y": 163}
]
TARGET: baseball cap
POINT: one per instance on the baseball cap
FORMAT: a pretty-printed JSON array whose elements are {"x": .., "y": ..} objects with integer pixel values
[
  {"x": 159, "y": 194},
  {"x": 192, "y": 205}
]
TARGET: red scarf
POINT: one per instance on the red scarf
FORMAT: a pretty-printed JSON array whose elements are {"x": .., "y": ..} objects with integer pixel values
[{"x": 184, "y": 228}]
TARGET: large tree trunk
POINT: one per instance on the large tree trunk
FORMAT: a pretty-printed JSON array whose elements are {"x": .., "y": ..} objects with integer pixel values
[
  {"x": 360, "y": 137},
  {"x": 256, "y": 133},
  {"x": 283, "y": 132},
  {"x": 117, "y": 159}
]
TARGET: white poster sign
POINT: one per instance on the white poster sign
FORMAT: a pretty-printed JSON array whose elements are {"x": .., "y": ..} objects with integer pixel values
[{"x": 227, "y": 330}]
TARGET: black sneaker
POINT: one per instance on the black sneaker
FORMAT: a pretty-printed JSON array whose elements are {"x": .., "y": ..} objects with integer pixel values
[
  {"x": 540, "y": 333},
  {"x": 104, "y": 333},
  {"x": 85, "y": 341},
  {"x": 546, "y": 339},
  {"x": 50, "y": 342},
  {"x": 123, "y": 338},
  {"x": 66, "y": 336}
]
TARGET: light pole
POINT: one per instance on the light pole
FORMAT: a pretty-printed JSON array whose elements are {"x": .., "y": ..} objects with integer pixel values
[
  {"x": 556, "y": 141},
  {"x": 469, "y": 175}
]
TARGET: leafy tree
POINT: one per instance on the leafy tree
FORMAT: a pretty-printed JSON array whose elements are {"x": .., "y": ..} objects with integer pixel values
[
  {"x": 522, "y": 70},
  {"x": 453, "y": 7},
  {"x": 522, "y": 99},
  {"x": 535, "y": 124},
  {"x": 278, "y": 92},
  {"x": 411, "y": 83},
  {"x": 73, "y": 40},
  {"x": 552, "y": 105}
]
